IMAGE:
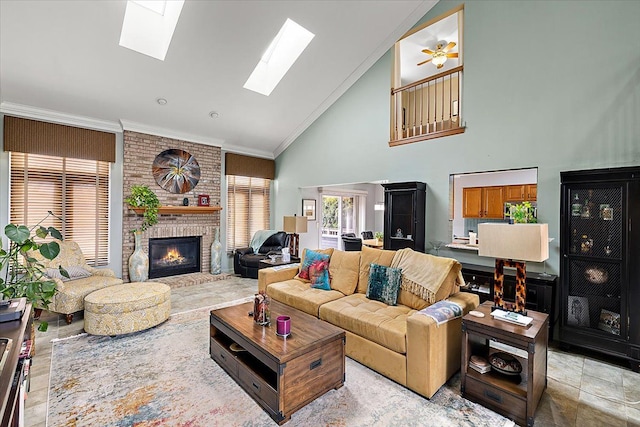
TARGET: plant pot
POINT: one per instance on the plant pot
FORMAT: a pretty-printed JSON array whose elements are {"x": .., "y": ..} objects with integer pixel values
[{"x": 138, "y": 261}]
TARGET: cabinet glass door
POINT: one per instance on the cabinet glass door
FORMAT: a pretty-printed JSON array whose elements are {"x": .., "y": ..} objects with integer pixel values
[{"x": 594, "y": 256}]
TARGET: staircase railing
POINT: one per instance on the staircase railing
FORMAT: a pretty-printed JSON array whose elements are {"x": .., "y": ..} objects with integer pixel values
[{"x": 428, "y": 108}]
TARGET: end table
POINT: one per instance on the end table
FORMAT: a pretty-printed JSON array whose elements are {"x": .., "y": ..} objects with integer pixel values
[{"x": 514, "y": 396}]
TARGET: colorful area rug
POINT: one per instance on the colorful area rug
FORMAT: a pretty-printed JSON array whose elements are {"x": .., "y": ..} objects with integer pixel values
[{"x": 165, "y": 377}]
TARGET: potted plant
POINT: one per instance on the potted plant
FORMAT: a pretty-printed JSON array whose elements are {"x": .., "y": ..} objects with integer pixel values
[
  {"x": 24, "y": 276},
  {"x": 142, "y": 197},
  {"x": 378, "y": 236},
  {"x": 522, "y": 213}
]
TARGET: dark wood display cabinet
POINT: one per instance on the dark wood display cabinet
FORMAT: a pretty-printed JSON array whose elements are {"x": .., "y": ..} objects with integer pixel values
[
  {"x": 404, "y": 215},
  {"x": 600, "y": 265},
  {"x": 542, "y": 290}
]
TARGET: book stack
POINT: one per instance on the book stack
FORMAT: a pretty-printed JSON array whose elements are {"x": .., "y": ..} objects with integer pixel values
[{"x": 479, "y": 364}]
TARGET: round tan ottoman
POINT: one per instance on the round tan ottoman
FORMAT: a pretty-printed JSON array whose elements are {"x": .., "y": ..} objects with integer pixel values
[{"x": 126, "y": 308}]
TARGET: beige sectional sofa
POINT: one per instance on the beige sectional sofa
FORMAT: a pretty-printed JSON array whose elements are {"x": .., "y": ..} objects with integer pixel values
[{"x": 397, "y": 341}]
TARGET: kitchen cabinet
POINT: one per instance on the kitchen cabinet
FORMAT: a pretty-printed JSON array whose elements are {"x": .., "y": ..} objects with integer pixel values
[
  {"x": 404, "y": 215},
  {"x": 483, "y": 202},
  {"x": 521, "y": 193},
  {"x": 599, "y": 269},
  {"x": 531, "y": 192}
]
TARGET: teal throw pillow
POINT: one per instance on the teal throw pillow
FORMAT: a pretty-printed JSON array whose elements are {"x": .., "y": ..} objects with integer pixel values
[
  {"x": 315, "y": 268},
  {"x": 384, "y": 284}
]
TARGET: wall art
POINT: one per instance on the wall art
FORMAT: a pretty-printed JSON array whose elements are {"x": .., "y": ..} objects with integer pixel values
[{"x": 176, "y": 171}]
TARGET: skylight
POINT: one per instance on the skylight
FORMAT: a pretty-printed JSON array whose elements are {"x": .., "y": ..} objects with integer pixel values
[
  {"x": 149, "y": 25},
  {"x": 284, "y": 50}
]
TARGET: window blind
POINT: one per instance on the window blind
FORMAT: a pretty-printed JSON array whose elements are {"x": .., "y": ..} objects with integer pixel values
[
  {"x": 248, "y": 209},
  {"x": 74, "y": 190}
]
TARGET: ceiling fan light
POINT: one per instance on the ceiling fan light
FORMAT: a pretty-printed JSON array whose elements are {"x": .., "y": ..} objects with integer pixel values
[{"x": 439, "y": 60}]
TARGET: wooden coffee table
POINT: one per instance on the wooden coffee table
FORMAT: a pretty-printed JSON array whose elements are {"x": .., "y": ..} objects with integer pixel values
[{"x": 281, "y": 374}]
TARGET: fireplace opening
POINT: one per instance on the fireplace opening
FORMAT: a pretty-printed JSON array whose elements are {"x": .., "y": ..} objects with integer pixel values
[{"x": 172, "y": 256}]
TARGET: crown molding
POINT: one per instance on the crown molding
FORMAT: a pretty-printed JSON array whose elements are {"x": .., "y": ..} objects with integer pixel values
[
  {"x": 170, "y": 133},
  {"x": 238, "y": 149},
  {"x": 393, "y": 37},
  {"x": 45, "y": 115}
]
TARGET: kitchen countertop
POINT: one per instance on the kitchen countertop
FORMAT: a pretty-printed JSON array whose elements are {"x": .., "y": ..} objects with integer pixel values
[{"x": 461, "y": 244}]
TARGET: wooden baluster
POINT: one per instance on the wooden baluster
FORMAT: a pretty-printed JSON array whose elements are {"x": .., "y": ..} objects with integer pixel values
[
  {"x": 450, "y": 102},
  {"x": 428, "y": 106},
  {"x": 442, "y": 111},
  {"x": 421, "y": 97}
]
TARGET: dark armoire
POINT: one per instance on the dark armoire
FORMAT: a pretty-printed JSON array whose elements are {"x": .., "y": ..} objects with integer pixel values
[
  {"x": 404, "y": 215},
  {"x": 600, "y": 264}
]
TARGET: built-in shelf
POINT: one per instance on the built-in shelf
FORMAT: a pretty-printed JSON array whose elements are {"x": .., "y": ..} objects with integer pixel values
[{"x": 181, "y": 210}]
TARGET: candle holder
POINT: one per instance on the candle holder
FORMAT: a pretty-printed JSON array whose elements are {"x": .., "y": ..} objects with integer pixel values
[{"x": 283, "y": 326}]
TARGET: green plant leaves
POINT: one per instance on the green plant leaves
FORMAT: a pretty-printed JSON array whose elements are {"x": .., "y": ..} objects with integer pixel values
[
  {"x": 24, "y": 275},
  {"x": 142, "y": 197},
  {"x": 19, "y": 234},
  {"x": 50, "y": 250},
  {"x": 55, "y": 233}
]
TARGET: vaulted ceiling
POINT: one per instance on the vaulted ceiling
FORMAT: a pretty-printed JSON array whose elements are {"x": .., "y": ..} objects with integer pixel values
[{"x": 61, "y": 60}]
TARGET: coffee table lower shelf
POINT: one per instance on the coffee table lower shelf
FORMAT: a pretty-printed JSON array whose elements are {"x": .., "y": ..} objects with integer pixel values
[{"x": 281, "y": 388}]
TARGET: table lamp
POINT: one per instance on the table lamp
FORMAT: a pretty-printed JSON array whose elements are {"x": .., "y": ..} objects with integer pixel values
[
  {"x": 295, "y": 225},
  {"x": 512, "y": 245}
]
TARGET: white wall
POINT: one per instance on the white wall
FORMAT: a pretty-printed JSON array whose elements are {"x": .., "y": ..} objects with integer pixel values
[{"x": 544, "y": 98}]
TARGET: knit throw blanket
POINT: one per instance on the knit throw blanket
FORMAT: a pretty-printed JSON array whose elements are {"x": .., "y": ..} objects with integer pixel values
[
  {"x": 423, "y": 274},
  {"x": 259, "y": 238}
]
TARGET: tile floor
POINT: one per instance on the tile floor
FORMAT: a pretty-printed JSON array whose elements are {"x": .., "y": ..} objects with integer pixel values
[{"x": 575, "y": 395}]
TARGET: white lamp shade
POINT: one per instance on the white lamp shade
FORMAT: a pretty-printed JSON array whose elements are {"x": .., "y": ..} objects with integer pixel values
[
  {"x": 523, "y": 242},
  {"x": 295, "y": 224}
]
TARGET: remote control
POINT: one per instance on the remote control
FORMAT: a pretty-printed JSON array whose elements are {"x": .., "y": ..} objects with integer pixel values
[{"x": 476, "y": 313}]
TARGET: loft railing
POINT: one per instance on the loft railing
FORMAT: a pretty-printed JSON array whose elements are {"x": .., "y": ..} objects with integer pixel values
[{"x": 428, "y": 108}]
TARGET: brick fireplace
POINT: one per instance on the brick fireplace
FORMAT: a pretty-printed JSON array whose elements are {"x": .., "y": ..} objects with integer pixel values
[{"x": 140, "y": 150}]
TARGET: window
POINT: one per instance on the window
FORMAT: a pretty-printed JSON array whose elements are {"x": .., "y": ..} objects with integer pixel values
[
  {"x": 248, "y": 209},
  {"x": 76, "y": 191}
]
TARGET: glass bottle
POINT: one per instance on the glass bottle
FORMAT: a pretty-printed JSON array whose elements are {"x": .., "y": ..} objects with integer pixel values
[
  {"x": 576, "y": 207},
  {"x": 608, "y": 249},
  {"x": 574, "y": 242},
  {"x": 587, "y": 207}
]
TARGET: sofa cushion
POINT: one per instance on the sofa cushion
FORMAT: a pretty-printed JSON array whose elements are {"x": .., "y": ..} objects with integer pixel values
[
  {"x": 376, "y": 321},
  {"x": 370, "y": 256},
  {"x": 344, "y": 269},
  {"x": 74, "y": 272},
  {"x": 384, "y": 284},
  {"x": 304, "y": 276},
  {"x": 319, "y": 273},
  {"x": 300, "y": 295}
]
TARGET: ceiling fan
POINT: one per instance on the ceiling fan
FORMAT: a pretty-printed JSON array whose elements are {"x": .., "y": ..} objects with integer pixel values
[{"x": 440, "y": 55}]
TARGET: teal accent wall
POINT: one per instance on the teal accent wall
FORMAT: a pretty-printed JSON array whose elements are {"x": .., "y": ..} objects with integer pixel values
[{"x": 547, "y": 84}]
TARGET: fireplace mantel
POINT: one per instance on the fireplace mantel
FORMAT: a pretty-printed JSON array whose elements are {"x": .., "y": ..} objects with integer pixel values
[{"x": 181, "y": 210}]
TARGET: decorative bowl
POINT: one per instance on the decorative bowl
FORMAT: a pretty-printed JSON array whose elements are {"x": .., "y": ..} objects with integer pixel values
[
  {"x": 505, "y": 363},
  {"x": 596, "y": 275}
]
